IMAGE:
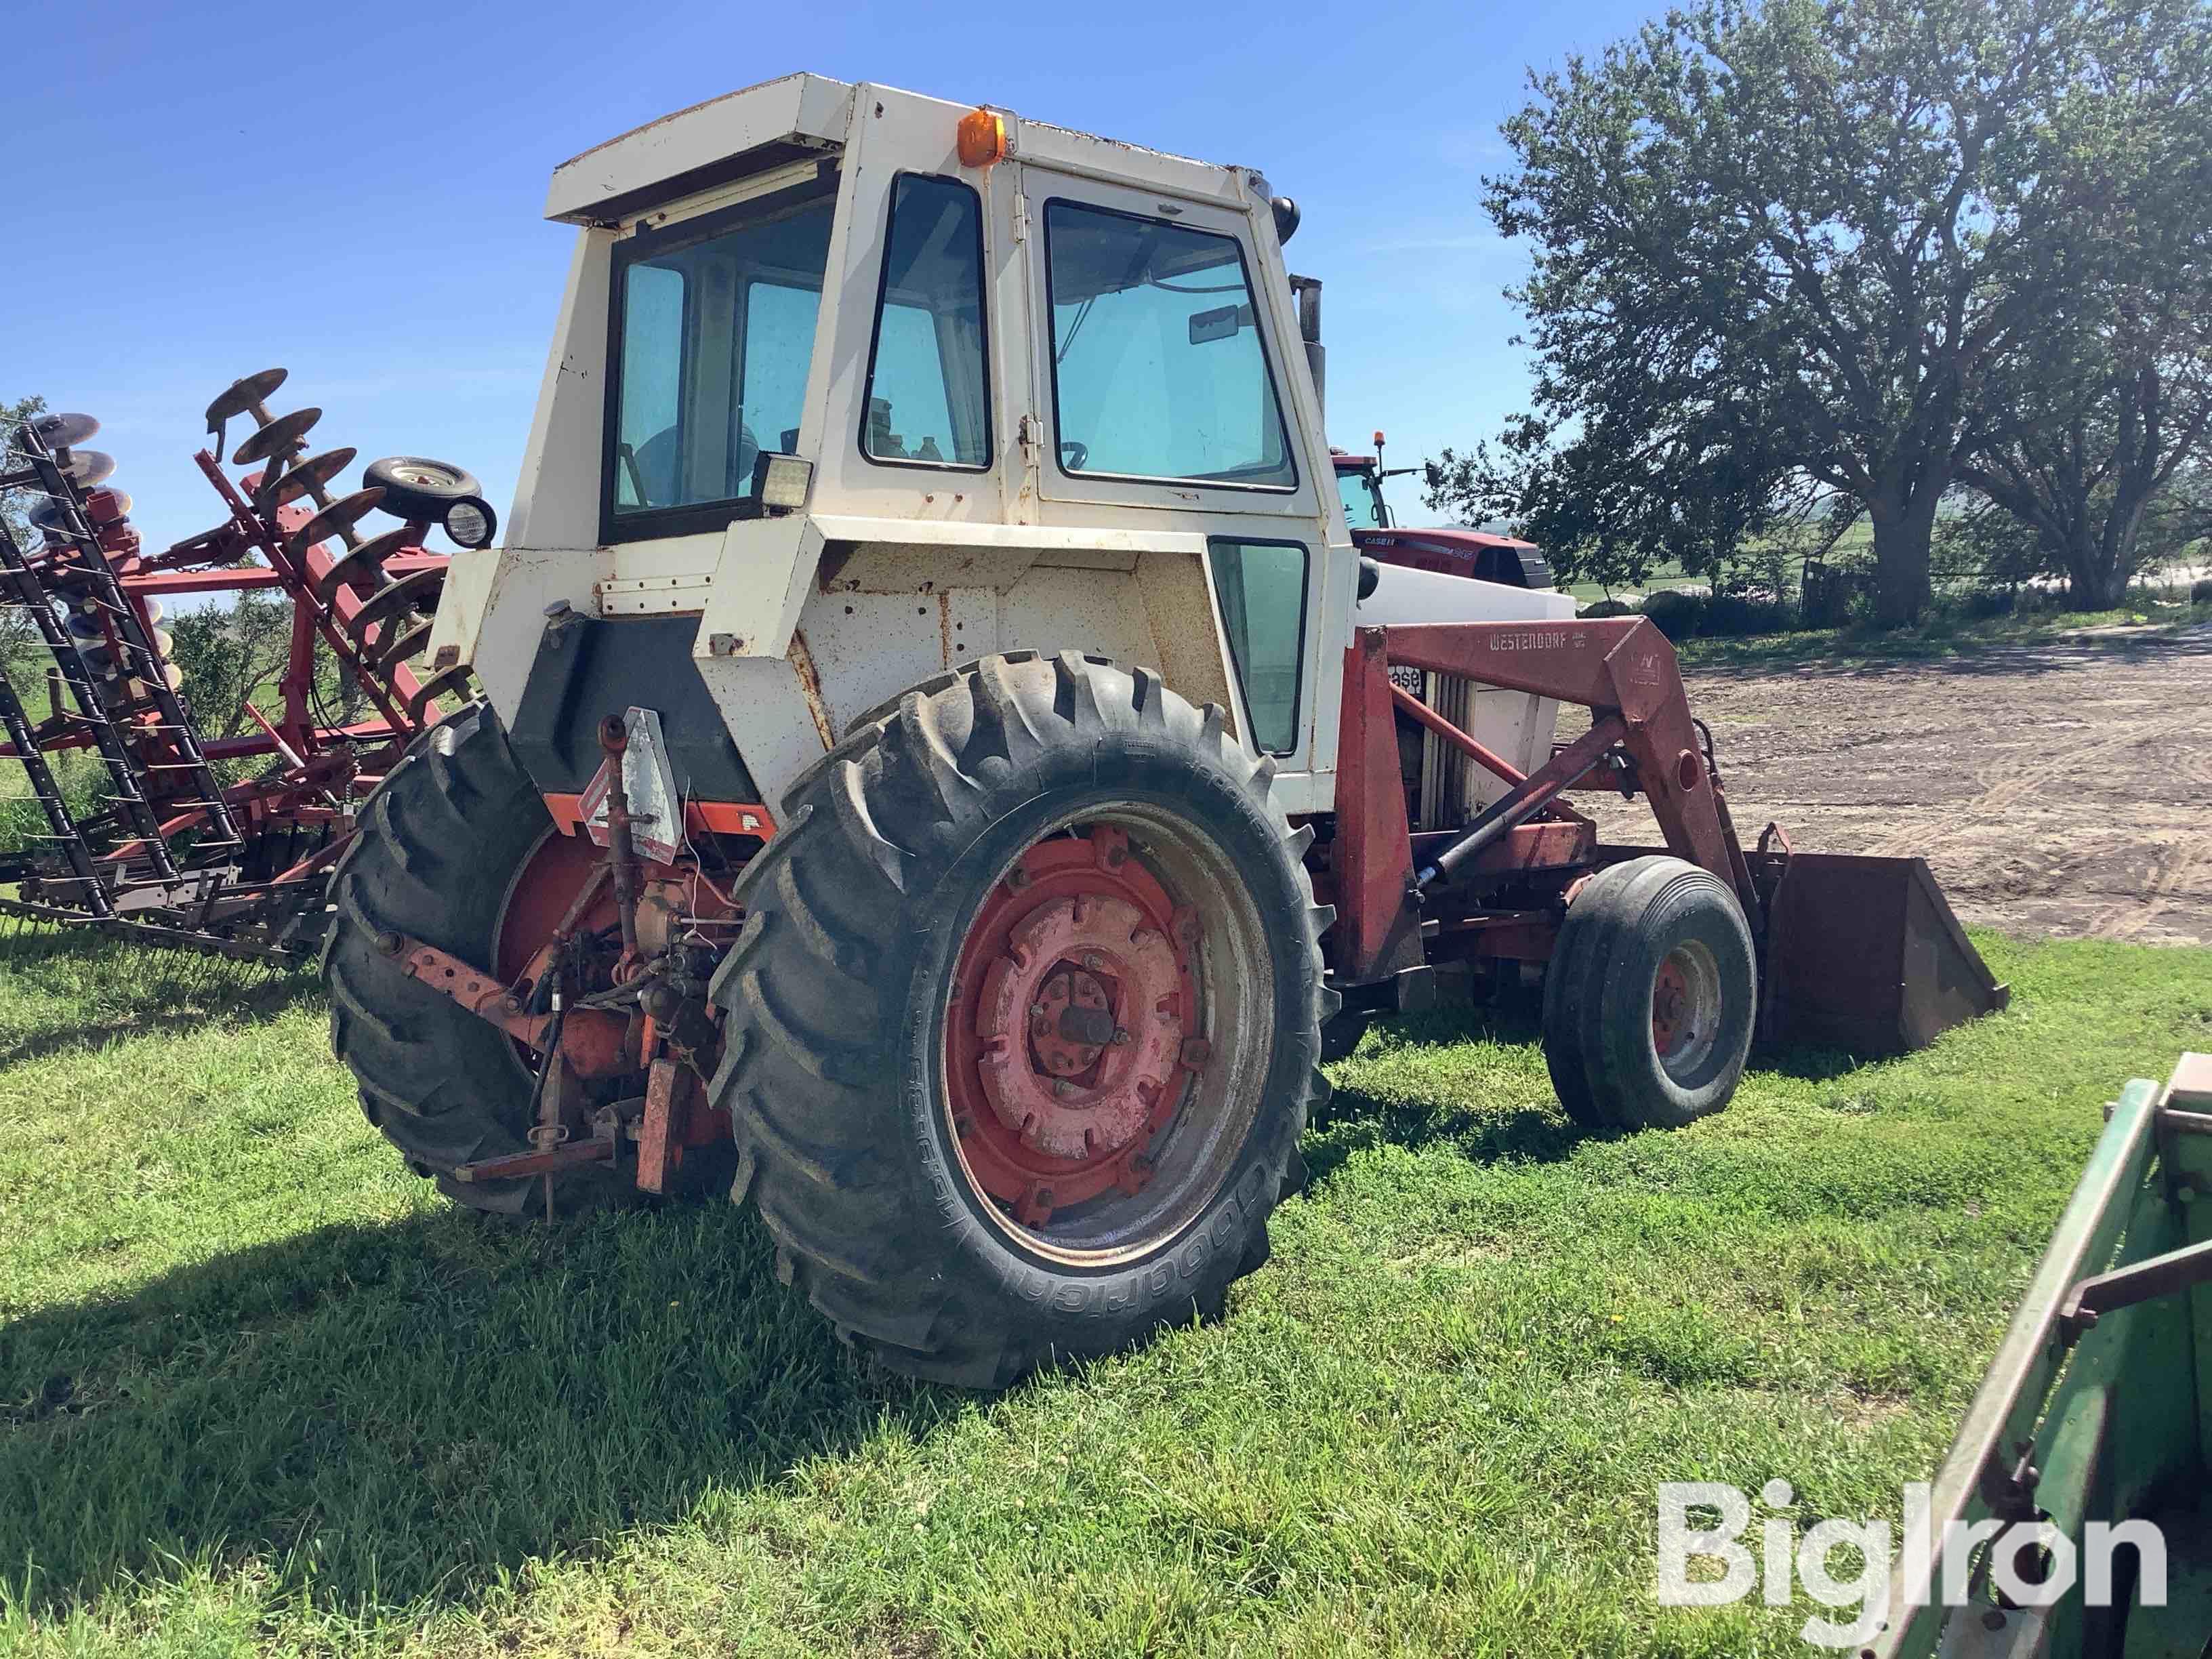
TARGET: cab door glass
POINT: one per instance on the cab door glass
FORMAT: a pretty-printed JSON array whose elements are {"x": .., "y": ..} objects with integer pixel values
[
  {"x": 1261, "y": 587},
  {"x": 652, "y": 385},
  {"x": 1157, "y": 368},
  {"x": 928, "y": 398}
]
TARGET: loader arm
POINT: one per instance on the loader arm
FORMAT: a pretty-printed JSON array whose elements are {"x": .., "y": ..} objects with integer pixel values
[{"x": 1622, "y": 669}]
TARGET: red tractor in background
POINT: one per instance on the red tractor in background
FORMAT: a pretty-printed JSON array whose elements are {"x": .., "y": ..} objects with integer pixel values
[{"x": 1454, "y": 551}]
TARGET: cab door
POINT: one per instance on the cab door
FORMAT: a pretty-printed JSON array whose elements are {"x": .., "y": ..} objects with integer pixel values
[{"x": 1163, "y": 383}]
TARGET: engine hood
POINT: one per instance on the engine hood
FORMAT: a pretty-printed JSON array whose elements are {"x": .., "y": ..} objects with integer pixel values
[
  {"x": 1407, "y": 593},
  {"x": 1461, "y": 552}
]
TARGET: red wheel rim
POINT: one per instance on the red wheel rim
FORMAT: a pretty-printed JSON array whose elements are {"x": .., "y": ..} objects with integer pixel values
[
  {"x": 540, "y": 895},
  {"x": 537, "y": 902},
  {"x": 1687, "y": 1004},
  {"x": 1670, "y": 999},
  {"x": 1072, "y": 1030}
]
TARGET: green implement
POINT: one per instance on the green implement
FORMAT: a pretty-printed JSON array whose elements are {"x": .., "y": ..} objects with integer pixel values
[{"x": 2092, "y": 1421}]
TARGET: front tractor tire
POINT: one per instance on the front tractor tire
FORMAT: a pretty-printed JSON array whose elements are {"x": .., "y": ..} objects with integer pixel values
[
  {"x": 1650, "y": 997},
  {"x": 455, "y": 849},
  {"x": 1020, "y": 1034}
]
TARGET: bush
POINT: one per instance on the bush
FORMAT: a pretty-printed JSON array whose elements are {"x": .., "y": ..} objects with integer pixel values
[
  {"x": 1677, "y": 613},
  {"x": 1732, "y": 616},
  {"x": 1988, "y": 602},
  {"x": 1839, "y": 594},
  {"x": 1607, "y": 608}
]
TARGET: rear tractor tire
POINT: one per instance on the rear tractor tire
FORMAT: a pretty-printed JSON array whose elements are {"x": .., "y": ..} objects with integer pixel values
[
  {"x": 1650, "y": 997},
  {"x": 454, "y": 848},
  {"x": 1020, "y": 1034}
]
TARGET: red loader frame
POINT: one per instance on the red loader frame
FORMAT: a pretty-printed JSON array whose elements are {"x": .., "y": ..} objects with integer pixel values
[{"x": 1859, "y": 952}]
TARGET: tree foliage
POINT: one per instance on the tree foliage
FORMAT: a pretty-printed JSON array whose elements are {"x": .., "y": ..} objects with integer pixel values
[
  {"x": 1793, "y": 243},
  {"x": 17, "y": 629},
  {"x": 2111, "y": 395},
  {"x": 227, "y": 653}
]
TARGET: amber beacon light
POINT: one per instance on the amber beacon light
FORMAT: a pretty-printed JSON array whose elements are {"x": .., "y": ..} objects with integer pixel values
[{"x": 982, "y": 138}]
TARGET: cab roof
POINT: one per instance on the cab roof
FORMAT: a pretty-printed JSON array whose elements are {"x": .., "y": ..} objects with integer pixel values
[{"x": 727, "y": 137}]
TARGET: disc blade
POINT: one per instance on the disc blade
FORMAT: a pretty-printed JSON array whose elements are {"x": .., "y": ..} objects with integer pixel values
[
  {"x": 360, "y": 564},
  {"x": 243, "y": 395},
  {"x": 86, "y": 467},
  {"x": 341, "y": 514},
  {"x": 279, "y": 435},
  {"x": 64, "y": 431},
  {"x": 315, "y": 472}
]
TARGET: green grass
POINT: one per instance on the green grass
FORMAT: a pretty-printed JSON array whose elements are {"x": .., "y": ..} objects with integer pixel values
[
  {"x": 1946, "y": 633},
  {"x": 261, "y": 1392}
]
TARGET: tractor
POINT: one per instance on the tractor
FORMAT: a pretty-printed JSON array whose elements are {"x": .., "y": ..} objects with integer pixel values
[
  {"x": 1457, "y": 550},
  {"x": 943, "y": 768}
]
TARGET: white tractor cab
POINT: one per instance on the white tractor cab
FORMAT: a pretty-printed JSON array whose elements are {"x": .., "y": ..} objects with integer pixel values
[
  {"x": 846, "y": 409},
  {"x": 928, "y": 682}
]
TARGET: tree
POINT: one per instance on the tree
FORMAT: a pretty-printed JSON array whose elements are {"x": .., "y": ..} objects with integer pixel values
[
  {"x": 1825, "y": 219},
  {"x": 17, "y": 628},
  {"x": 226, "y": 653},
  {"x": 2111, "y": 394},
  {"x": 1611, "y": 505}
]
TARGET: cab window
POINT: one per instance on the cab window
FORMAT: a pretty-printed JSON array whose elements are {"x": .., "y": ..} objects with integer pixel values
[
  {"x": 928, "y": 398},
  {"x": 1261, "y": 587},
  {"x": 1363, "y": 501},
  {"x": 1157, "y": 368},
  {"x": 714, "y": 338}
]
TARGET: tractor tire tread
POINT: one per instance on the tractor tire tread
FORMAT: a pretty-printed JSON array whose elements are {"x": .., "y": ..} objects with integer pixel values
[
  {"x": 814, "y": 1053},
  {"x": 442, "y": 1086}
]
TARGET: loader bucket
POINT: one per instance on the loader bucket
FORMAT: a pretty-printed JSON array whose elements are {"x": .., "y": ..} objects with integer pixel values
[{"x": 1864, "y": 954}]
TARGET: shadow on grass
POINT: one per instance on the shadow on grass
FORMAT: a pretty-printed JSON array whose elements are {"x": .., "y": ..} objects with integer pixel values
[
  {"x": 1965, "y": 651},
  {"x": 375, "y": 1415},
  {"x": 76, "y": 990},
  {"x": 1355, "y": 1119}
]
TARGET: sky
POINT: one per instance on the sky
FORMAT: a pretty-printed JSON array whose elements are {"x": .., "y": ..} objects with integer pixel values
[{"x": 355, "y": 192}]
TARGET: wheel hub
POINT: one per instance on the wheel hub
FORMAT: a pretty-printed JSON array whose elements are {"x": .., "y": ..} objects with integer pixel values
[
  {"x": 1685, "y": 1009},
  {"x": 1047, "y": 996},
  {"x": 1068, "y": 1040},
  {"x": 1670, "y": 1008}
]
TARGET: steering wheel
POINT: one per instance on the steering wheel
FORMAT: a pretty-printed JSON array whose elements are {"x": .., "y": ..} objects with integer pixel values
[{"x": 1074, "y": 456}]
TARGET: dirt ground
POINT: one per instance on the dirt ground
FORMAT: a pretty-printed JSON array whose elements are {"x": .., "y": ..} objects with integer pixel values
[{"x": 2056, "y": 789}]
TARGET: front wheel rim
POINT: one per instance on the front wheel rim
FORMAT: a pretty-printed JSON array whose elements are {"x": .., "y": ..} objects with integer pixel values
[
  {"x": 1686, "y": 1006},
  {"x": 1106, "y": 1036}
]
